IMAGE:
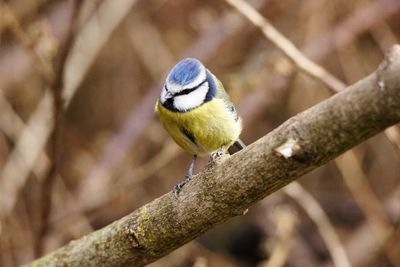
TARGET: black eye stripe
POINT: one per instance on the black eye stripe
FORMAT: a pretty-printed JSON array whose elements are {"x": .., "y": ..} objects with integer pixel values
[
  {"x": 185, "y": 92},
  {"x": 189, "y": 90}
]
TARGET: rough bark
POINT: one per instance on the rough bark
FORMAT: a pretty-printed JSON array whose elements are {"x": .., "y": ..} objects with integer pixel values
[{"x": 228, "y": 187}]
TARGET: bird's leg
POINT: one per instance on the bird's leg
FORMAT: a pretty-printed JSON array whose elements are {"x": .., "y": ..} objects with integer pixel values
[
  {"x": 187, "y": 178},
  {"x": 218, "y": 153}
]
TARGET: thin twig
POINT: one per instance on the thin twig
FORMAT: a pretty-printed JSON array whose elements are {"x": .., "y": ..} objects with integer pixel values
[
  {"x": 27, "y": 42},
  {"x": 357, "y": 182},
  {"x": 90, "y": 39},
  {"x": 393, "y": 134},
  {"x": 16, "y": 62},
  {"x": 364, "y": 245},
  {"x": 21, "y": 12},
  {"x": 29, "y": 146},
  {"x": 362, "y": 20},
  {"x": 285, "y": 220},
  {"x": 154, "y": 49},
  {"x": 17, "y": 168},
  {"x": 56, "y": 136},
  {"x": 321, "y": 220},
  {"x": 287, "y": 47}
]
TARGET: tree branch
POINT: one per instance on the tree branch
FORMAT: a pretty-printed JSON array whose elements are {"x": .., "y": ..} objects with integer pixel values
[{"x": 228, "y": 187}]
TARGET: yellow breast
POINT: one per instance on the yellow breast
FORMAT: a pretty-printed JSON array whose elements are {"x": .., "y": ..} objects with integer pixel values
[{"x": 201, "y": 130}]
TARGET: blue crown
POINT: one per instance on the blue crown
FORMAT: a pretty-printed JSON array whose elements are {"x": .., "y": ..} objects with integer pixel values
[{"x": 185, "y": 71}]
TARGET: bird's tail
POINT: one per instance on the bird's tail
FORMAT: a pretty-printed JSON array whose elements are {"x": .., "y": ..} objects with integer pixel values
[{"x": 237, "y": 146}]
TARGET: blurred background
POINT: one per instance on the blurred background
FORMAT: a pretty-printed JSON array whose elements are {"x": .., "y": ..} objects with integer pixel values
[{"x": 80, "y": 146}]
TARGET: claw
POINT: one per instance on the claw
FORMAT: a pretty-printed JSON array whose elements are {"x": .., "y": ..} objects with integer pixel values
[
  {"x": 177, "y": 188},
  {"x": 218, "y": 153}
]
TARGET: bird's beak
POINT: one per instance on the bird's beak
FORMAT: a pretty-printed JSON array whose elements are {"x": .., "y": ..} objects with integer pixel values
[{"x": 168, "y": 95}]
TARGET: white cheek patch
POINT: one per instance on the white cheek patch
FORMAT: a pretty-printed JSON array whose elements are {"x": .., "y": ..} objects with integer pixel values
[
  {"x": 192, "y": 100},
  {"x": 175, "y": 88}
]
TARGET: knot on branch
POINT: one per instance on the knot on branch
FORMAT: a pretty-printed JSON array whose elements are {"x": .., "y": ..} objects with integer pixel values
[
  {"x": 131, "y": 234},
  {"x": 288, "y": 149},
  {"x": 295, "y": 147}
]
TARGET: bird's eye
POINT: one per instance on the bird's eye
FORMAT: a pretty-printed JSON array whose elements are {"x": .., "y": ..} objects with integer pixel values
[{"x": 165, "y": 87}]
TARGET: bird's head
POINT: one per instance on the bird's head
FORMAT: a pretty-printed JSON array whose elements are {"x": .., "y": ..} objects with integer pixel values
[{"x": 187, "y": 86}]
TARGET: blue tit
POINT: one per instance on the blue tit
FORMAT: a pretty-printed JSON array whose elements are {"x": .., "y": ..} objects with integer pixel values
[{"x": 198, "y": 114}]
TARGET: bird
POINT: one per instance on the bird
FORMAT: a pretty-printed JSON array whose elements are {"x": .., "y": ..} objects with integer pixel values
[{"x": 198, "y": 114}]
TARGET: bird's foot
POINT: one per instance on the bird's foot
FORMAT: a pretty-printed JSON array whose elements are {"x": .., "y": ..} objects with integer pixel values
[
  {"x": 217, "y": 154},
  {"x": 181, "y": 184}
]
